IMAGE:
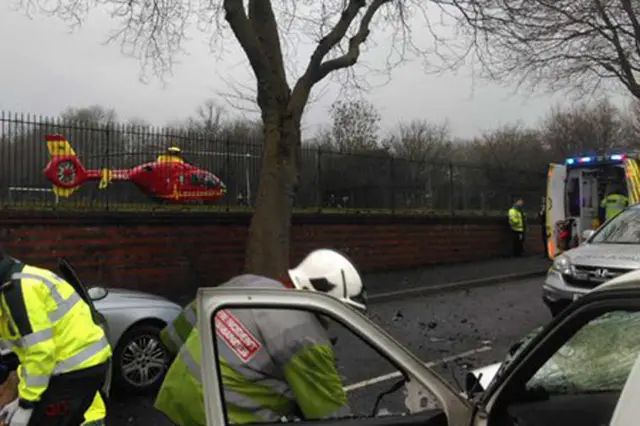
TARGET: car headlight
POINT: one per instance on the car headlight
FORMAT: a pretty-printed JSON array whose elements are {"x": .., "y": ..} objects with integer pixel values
[{"x": 562, "y": 264}]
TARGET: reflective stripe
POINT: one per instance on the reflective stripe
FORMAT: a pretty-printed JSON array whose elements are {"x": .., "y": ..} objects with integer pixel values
[
  {"x": 245, "y": 403},
  {"x": 173, "y": 336},
  {"x": 230, "y": 396},
  {"x": 304, "y": 330},
  {"x": 81, "y": 357},
  {"x": 34, "y": 380},
  {"x": 192, "y": 364},
  {"x": 64, "y": 307},
  {"x": 191, "y": 315},
  {"x": 32, "y": 339},
  {"x": 52, "y": 288}
]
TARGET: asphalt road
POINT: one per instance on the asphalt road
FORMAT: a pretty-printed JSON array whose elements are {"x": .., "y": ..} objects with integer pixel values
[{"x": 451, "y": 325}]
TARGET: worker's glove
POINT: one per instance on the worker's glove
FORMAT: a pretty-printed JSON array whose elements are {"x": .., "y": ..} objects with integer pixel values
[
  {"x": 20, "y": 417},
  {"x": 7, "y": 412}
]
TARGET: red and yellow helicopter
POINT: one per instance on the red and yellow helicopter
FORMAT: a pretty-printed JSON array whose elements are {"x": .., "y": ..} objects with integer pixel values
[{"x": 169, "y": 179}]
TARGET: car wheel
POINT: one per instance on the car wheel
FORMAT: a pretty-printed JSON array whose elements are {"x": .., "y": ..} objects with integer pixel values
[{"x": 140, "y": 360}]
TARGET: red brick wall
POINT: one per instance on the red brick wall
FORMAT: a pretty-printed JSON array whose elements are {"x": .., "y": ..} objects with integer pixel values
[{"x": 173, "y": 254}]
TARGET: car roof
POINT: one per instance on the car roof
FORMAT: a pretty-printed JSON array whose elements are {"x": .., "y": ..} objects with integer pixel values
[{"x": 630, "y": 280}]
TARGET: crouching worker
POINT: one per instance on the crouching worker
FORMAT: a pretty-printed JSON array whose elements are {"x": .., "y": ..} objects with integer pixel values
[
  {"x": 63, "y": 353},
  {"x": 293, "y": 373}
]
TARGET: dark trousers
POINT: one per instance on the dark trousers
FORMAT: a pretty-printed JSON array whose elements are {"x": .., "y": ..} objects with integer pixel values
[
  {"x": 544, "y": 241},
  {"x": 68, "y": 396},
  {"x": 518, "y": 243}
]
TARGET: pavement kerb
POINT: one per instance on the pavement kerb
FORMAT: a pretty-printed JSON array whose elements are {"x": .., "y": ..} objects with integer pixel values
[{"x": 454, "y": 286}]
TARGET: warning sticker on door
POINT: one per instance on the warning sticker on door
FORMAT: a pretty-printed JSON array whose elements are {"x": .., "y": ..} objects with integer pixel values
[{"x": 236, "y": 336}]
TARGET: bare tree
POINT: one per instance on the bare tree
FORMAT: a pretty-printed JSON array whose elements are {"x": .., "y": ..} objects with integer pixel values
[
  {"x": 421, "y": 140},
  {"x": 355, "y": 126},
  {"x": 137, "y": 122},
  {"x": 510, "y": 147},
  {"x": 631, "y": 120},
  {"x": 421, "y": 149},
  {"x": 95, "y": 115},
  {"x": 155, "y": 31},
  {"x": 584, "y": 128},
  {"x": 321, "y": 137},
  {"x": 558, "y": 44},
  {"x": 512, "y": 162},
  {"x": 209, "y": 119}
]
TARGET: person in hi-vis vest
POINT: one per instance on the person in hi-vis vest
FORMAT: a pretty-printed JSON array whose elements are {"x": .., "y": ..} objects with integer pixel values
[
  {"x": 64, "y": 355},
  {"x": 518, "y": 225},
  {"x": 284, "y": 365},
  {"x": 613, "y": 203}
]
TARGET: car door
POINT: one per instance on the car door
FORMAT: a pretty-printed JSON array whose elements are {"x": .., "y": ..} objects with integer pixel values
[
  {"x": 555, "y": 205},
  {"x": 455, "y": 409},
  {"x": 574, "y": 370},
  {"x": 628, "y": 410}
]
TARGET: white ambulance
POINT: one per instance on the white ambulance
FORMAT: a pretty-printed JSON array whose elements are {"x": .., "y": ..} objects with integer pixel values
[{"x": 576, "y": 189}]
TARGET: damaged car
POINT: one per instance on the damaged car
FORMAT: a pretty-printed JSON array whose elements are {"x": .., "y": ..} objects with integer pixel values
[
  {"x": 606, "y": 253},
  {"x": 571, "y": 371}
]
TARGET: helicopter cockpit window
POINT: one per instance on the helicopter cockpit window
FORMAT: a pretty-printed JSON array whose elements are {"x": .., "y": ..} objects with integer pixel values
[
  {"x": 210, "y": 182},
  {"x": 196, "y": 180}
]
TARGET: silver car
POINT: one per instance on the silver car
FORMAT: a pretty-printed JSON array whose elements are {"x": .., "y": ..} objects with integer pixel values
[
  {"x": 134, "y": 320},
  {"x": 611, "y": 251}
]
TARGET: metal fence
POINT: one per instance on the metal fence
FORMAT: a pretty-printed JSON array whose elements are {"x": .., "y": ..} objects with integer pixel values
[{"x": 329, "y": 181}]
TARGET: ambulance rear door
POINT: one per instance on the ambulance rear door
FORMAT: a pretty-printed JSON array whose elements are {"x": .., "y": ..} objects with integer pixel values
[
  {"x": 632, "y": 174},
  {"x": 555, "y": 205}
]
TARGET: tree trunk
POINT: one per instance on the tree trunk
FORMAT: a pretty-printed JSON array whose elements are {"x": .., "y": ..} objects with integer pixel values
[{"x": 267, "y": 251}]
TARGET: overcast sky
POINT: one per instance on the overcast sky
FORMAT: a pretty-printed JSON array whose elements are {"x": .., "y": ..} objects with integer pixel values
[{"x": 45, "y": 68}]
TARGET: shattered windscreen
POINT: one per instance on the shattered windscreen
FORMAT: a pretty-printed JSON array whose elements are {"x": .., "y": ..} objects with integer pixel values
[
  {"x": 623, "y": 229},
  {"x": 598, "y": 358}
]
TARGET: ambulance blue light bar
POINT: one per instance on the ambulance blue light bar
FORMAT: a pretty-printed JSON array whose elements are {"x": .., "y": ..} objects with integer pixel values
[{"x": 584, "y": 160}]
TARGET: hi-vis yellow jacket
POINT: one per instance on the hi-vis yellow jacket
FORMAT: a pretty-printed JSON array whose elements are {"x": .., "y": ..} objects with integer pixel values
[
  {"x": 175, "y": 335},
  {"x": 274, "y": 363},
  {"x": 614, "y": 204},
  {"x": 517, "y": 220},
  {"x": 50, "y": 328}
]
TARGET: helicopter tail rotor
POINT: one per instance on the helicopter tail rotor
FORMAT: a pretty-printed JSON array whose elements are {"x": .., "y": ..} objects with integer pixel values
[{"x": 64, "y": 170}]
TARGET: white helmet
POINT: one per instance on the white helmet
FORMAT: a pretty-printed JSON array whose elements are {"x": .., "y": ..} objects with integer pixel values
[{"x": 333, "y": 273}]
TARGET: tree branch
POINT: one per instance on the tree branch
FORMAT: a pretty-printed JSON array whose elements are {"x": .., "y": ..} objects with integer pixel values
[
  {"x": 236, "y": 16},
  {"x": 334, "y": 37},
  {"x": 317, "y": 70},
  {"x": 626, "y": 6},
  {"x": 264, "y": 23},
  {"x": 624, "y": 63},
  {"x": 352, "y": 55}
]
